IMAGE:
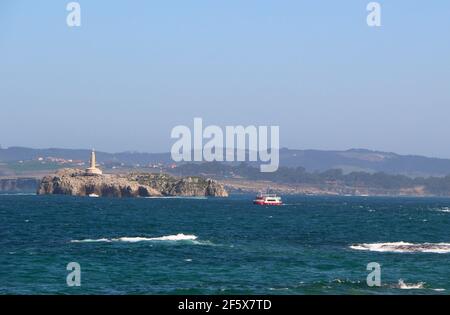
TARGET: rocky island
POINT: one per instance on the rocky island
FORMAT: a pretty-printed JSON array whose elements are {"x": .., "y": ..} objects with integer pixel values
[
  {"x": 92, "y": 181},
  {"x": 77, "y": 183}
]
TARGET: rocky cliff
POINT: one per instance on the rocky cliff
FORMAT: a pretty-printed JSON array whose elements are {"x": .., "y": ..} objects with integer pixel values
[{"x": 74, "y": 182}]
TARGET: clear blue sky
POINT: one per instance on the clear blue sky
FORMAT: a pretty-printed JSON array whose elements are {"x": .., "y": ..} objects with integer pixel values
[{"x": 135, "y": 69}]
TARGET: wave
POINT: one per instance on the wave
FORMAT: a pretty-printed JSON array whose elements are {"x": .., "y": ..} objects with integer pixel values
[
  {"x": 88, "y": 240},
  {"x": 354, "y": 285},
  {"x": 410, "y": 286},
  {"x": 403, "y": 247},
  {"x": 444, "y": 209},
  {"x": 279, "y": 289},
  {"x": 131, "y": 239},
  {"x": 320, "y": 284}
]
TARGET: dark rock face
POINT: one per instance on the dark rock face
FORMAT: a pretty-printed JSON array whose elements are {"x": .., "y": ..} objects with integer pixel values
[
  {"x": 195, "y": 186},
  {"x": 76, "y": 183}
]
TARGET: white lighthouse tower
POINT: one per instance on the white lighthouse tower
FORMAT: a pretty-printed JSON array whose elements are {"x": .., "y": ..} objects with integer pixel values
[{"x": 93, "y": 169}]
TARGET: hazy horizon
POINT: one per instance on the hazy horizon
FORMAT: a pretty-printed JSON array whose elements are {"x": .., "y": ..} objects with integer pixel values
[
  {"x": 168, "y": 151},
  {"x": 134, "y": 70}
]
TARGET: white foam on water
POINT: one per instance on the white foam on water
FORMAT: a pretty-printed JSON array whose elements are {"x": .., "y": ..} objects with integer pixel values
[
  {"x": 178, "y": 237},
  {"x": 444, "y": 209},
  {"x": 439, "y": 290},
  {"x": 131, "y": 239},
  {"x": 88, "y": 240},
  {"x": 410, "y": 286},
  {"x": 403, "y": 247},
  {"x": 279, "y": 289}
]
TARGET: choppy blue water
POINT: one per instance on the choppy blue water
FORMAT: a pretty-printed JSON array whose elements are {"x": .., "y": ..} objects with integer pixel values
[{"x": 225, "y": 246}]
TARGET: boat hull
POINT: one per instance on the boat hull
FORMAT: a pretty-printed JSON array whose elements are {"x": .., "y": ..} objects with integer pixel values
[{"x": 267, "y": 203}]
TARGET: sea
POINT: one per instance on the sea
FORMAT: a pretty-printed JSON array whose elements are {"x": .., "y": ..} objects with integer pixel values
[{"x": 310, "y": 245}]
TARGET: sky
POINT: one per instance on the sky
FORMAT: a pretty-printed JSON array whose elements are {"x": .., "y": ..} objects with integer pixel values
[{"x": 136, "y": 69}]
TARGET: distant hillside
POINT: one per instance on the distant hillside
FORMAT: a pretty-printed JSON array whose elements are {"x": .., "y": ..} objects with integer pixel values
[
  {"x": 354, "y": 160},
  {"x": 365, "y": 161},
  {"x": 13, "y": 154},
  {"x": 298, "y": 180}
]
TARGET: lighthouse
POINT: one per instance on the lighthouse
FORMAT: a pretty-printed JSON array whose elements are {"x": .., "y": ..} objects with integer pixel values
[{"x": 93, "y": 169}]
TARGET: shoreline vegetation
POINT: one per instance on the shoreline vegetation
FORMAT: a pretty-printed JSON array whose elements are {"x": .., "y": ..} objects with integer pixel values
[
  {"x": 192, "y": 180},
  {"x": 246, "y": 178}
]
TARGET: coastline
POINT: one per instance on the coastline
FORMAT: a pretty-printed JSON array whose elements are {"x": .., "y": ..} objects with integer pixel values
[
  {"x": 252, "y": 186},
  {"x": 31, "y": 183}
]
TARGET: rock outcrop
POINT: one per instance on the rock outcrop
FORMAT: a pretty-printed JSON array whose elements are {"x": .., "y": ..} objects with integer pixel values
[
  {"x": 76, "y": 183},
  {"x": 168, "y": 185}
]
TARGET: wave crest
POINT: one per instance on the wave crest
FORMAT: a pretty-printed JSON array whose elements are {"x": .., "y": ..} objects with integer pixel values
[
  {"x": 131, "y": 239},
  {"x": 444, "y": 209},
  {"x": 409, "y": 286},
  {"x": 403, "y": 247}
]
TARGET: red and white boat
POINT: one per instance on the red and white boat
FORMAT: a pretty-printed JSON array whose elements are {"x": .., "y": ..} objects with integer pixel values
[{"x": 267, "y": 200}]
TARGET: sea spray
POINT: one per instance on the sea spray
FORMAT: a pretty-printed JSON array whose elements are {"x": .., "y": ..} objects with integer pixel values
[{"x": 403, "y": 247}]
